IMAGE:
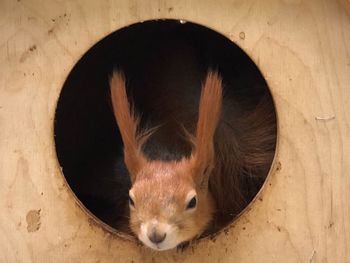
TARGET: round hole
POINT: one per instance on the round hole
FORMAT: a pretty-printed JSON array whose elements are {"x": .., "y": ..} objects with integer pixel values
[{"x": 165, "y": 62}]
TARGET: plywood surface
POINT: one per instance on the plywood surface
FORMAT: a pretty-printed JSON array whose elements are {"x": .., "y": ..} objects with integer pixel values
[{"x": 303, "y": 50}]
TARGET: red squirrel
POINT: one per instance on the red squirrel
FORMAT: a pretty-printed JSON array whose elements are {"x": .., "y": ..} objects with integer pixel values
[{"x": 174, "y": 201}]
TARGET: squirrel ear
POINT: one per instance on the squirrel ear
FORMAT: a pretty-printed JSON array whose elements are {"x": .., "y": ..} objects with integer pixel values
[
  {"x": 203, "y": 156},
  {"x": 128, "y": 123}
]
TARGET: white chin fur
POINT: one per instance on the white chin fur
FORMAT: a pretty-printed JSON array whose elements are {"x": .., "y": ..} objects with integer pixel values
[{"x": 171, "y": 240}]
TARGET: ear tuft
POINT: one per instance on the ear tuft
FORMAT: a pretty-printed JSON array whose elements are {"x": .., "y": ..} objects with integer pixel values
[
  {"x": 128, "y": 122},
  {"x": 203, "y": 156}
]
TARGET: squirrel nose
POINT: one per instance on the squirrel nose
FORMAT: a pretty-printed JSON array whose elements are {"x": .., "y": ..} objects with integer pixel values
[{"x": 156, "y": 237}]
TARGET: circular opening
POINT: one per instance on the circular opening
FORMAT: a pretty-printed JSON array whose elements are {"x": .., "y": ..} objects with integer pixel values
[{"x": 165, "y": 63}]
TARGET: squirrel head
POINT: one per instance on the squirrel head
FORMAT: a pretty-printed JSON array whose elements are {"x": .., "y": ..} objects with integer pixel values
[
  {"x": 167, "y": 206},
  {"x": 169, "y": 200}
]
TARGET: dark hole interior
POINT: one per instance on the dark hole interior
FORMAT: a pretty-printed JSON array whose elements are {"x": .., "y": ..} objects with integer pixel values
[{"x": 164, "y": 61}]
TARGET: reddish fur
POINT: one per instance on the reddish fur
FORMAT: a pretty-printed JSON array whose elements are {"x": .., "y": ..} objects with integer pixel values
[
  {"x": 128, "y": 124},
  {"x": 226, "y": 151},
  {"x": 208, "y": 118},
  {"x": 160, "y": 192},
  {"x": 243, "y": 158}
]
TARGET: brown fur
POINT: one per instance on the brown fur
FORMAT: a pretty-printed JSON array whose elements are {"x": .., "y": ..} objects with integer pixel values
[
  {"x": 244, "y": 149},
  {"x": 229, "y": 154},
  {"x": 203, "y": 156},
  {"x": 128, "y": 124},
  {"x": 160, "y": 192}
]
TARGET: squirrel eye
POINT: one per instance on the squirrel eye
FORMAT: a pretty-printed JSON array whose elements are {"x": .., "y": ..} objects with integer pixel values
[
  {"x": 192, "y": 203},
  {"x": 131, "y": 202}
]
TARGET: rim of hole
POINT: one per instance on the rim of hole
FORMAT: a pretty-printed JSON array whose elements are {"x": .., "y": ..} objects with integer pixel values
[{"x": 92, "y": 218}]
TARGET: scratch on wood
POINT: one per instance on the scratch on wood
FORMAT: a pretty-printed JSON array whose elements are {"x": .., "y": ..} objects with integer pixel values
[
  {"x": 312, "y": 256},
  {"x": 324, "y": 118},
  {"x": 7, "y": 50}
]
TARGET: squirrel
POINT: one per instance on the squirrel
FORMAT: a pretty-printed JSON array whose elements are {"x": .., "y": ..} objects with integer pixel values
[{"x": 173, "y": 200}]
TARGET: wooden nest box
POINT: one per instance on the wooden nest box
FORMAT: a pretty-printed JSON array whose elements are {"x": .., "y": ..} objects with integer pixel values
[{"x": 302, "y": 49}]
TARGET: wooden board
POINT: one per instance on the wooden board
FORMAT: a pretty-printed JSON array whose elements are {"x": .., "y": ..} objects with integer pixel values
[{"x": 303, "y": 50}]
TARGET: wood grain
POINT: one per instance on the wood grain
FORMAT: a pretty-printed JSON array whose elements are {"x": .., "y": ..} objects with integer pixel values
[{"x": 303, "y": 50}]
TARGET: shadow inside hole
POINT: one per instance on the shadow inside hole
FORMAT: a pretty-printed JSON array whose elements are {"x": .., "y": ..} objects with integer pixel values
[{"x": 165, "y": 63}]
